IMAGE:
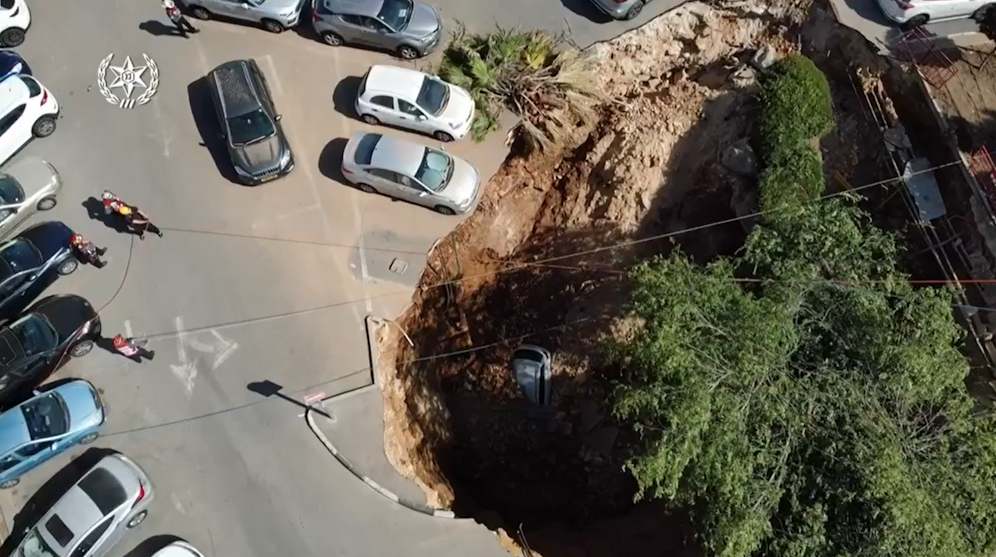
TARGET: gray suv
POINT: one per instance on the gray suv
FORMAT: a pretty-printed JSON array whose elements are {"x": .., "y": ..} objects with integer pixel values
[
  {"x": 621, "y": 9},
  {"x": 406, "y": 27},
  {"x": 273, "y": 15},
  {"x": 249, "y": 122}
]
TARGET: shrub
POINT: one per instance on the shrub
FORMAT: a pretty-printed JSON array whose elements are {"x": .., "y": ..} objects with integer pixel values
[{"x": 796, "y": 106}]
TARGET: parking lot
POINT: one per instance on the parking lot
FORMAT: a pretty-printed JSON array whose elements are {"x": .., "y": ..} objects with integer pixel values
[{"x": 248, "y": 286}]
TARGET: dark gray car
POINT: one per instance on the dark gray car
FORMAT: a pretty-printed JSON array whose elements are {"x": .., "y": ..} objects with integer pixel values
[
  {"x": 405, "y": 27},
  {"x": 249, "y": 122},
  {"x": 621, "y": 9}
]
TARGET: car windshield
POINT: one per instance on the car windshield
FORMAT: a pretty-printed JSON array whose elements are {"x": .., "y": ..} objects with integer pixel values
[
  {"x": 20, "y": 255},
  {"x": 433, "y": 95},
  {"x": 35, "y": 546},
  {"x": 250, "y": 127},
  {"x": 46, "y": 417},
  {"x": 435, "y": 170},
  {"x": 396, "y": 13},
  {"x": 10, "y": 191},
  {"x": 34, "y": 334}
]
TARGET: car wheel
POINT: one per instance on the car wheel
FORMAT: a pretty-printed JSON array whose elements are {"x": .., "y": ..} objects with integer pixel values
[
  {"x": 914, "y": 22},
  {"x": 443, "y": 136},
  {"x": 200, "y": 13},
  {"x": 87, "y": 439},
  {"x": 408, "y": 53},
  {"x": 366, "y": 188},
  {"x": 444, "y": 210},
  {"x": 634, "y": 11},
  {"x": 12, "y": 37},
  {"x": 44, "y": 126},
  {"x": 68, "y": 266},
  {"x": 137, "y": 519},
  {"x": 980, "y": 14},
  {"x": 46, "y": 203},
  {"x": 332, "y": 39},
  {"x": 273, "y": 26},
  {"x": 10, "y": 483},
  {"x": 81, "y": 349},
  {"x": 371, "y": 119}
]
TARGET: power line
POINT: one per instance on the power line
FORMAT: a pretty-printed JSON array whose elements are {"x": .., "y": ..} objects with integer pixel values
[{"x": 288, "y": 240}]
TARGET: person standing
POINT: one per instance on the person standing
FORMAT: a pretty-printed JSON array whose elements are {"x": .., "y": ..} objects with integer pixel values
[
  {"x": 176, "y": 16},
  {"x": 132, "y": 349}
]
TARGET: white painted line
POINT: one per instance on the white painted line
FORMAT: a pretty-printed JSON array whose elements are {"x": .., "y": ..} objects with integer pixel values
[
  {"x": 177, "y": 504},
  {"x": 163, "y": 123},
  {"x": 287, "y": 215},
  {"x": 187, "y": 371},
  {"x": 276, "y": 76},
  {"x": 313, "y": 398},
  {"x": 180, "y": 333},
  {"x": 127, "y": 327},
  {"x": 228, "y": 347}
]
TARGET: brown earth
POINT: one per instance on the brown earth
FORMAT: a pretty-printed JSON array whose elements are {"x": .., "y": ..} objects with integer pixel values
[{"x": 542, "y": 260}]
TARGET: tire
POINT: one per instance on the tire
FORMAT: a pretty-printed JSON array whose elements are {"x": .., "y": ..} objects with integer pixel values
[
  {"x": 200, "y": 13},
  {"x": 88, "y": 439},
  {"x": 44, "y": 126},
  {"x": 46, "y": 203},
  {"x": 68, "y": 266},
  {"x": 81, "y": 348},
  {"x": 272, "y": 26},
  {"x": 366, "y": 188},
  {"x": 444, "y": 210},
  {"x": 10, "y": 483},
  {"x": 408, "y": 53},
  {"x": 914, "y": 22},
  {"x": 981, "y": 13},
  {"x": 332, "y": 39},
  {"x": 137, "y": 519},
  {"x": 442, "y": 136},
  {"x": 12, "y": 37},
  {"x": 371, "y": 119},
  {"x": 634, "y": 11}
]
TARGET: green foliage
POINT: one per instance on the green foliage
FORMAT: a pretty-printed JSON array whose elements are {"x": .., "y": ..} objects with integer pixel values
[
  {"x": 527, "y": 72},
  {"x": 790, "y": 181},
  {"x": 796, "y": 105}
]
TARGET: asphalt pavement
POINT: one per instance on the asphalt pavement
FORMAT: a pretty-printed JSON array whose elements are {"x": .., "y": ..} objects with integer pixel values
[{"x": 866, "y": 17}]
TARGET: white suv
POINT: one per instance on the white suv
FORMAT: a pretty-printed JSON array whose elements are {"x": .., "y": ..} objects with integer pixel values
[
  {"x": 27, "y": 109},
  {"x": 411, "y": 99},
  {"x": 14, "y": 21},
  {"x": 914, "y": 13}
]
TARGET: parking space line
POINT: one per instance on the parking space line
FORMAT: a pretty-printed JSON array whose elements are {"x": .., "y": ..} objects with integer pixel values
[
  {"x": 296, "y": 212},
  {"x": 276, "y": 76}
]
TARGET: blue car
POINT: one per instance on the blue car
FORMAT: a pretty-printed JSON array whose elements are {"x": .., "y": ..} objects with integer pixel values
[
  {"x": 33, "y": 257},
  {"x": 12, "y": 64},
  {"x": 45, "y": 425}
]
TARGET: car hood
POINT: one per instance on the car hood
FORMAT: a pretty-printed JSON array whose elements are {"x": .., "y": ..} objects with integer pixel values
[
  {"x": 275, "y": 6},
  {"x": 49, "y": 237},
  {"x": 66, "y": 314},
  {"x": 464, "y": 184},
  {"x": 259, "y": 156},
  {"x": 459, "y": 108},
  {"x": 13, "y": 430},
  {"x": 35, "y": 176},
  {"x": 83, "y": 403},
  {"x": 424, "y": 21}
]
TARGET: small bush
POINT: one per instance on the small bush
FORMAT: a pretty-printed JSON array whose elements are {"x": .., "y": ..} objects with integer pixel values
[
  {"x": 791, "y": 180},
  {"x": 796, "y": 105}
]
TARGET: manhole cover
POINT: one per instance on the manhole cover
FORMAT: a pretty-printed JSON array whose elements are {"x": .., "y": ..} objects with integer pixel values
[{"x": 398, "y": 266}]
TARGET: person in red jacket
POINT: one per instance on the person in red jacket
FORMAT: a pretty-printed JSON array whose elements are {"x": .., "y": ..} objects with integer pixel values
[
  {"x": 176, "y": 17},
  {"x": 133, "y": 349}
]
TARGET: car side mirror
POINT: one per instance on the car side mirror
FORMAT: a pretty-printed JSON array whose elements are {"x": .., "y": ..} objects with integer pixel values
[
  {"x": 36, "y": 392},
  {"x": 422, "y": 194},
  {"x": 421, "y": 118},
  {"x": 279, "y": 116}
]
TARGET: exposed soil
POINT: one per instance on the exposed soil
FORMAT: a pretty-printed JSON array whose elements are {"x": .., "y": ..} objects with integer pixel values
[{"x": 542, "y": 261}]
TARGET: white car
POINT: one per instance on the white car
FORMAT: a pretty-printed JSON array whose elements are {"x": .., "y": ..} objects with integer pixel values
[
  {"x": 178, "y": 549},
  {"x": 27, "y": 110},
  {"x": 14, "y": 21},
  {"x": 28, "y": 185},
  {"x": 914, "y": 13},
  {"x": 411, "y": 99}
]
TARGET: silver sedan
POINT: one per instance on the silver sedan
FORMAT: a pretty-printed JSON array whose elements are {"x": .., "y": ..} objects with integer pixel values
[{"x": 26, "y": 186}]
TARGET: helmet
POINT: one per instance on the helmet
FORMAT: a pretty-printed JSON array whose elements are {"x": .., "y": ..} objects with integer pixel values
[
  {"x": 76, "y": 239},
  {"x": 107, "y": 195},
  {"x": 124, "y": 210}
]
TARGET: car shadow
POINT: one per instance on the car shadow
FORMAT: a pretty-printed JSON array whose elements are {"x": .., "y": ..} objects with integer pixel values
[
  {"x": 330, "y": 160},
  {"x": 160, "y": 29},
  {"x": 150, "y": 546},
  {"x": 344, "y": 96},
  {"x": 95, "y": 210},
  {"x": 199, "y": 98},
  {"x": 48, "y": 494},
  {"x": 587, "y": 10},
  {"x": 304, "y": 28}
]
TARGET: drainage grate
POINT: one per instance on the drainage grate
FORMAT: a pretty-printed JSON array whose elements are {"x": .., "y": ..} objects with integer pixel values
[{"x": 398, "y": 266}]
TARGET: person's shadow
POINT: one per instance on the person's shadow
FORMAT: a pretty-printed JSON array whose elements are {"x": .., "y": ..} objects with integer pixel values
[
  {"x": 95, "y": 210},
  {"x": 159, "y": 29}
]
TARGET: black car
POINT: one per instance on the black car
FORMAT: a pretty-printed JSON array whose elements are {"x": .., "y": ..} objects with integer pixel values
[
  {"x": 34, "y": 256},
  {"x": 43, "y": 338},
  {"x": 249, "y": 122}
]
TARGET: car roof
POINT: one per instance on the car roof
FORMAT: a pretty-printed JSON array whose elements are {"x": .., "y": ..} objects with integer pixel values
[
  {"x": 403, "y": 81},
  {"x": 397, "y": 155},
  {"x": 368, "y": 8},
  {"x": 234, "y": 88},
  {"x": 13, "y": 92},
  {"x": 178, "y": 549},
  {"x": 108, "y": 485}
]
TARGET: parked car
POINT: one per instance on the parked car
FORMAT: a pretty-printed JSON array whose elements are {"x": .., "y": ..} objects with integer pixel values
[
  {"x": 32, "y": 258},
  {"x": 397, "y": 168},
  {"x": 621, "y": 9},
  {"x": 249, "y": 122},
  {"x": 411, "y": 99},
  {"x": 26, "y": 186},
  {"x": 15, "y": 18},
  {"x": 11, "y": 63},
  {"x": 43, "y": 338},
  {"x": 533, "y": 367},
  {"x": 27, "y": 110},
  {"x": 178, "y": 549},
  {"x": 407, "y": 28},
  {"x": 273, "y": 15},
  {"x": 914, "y": 13},
  {"x": 46, "y": 425},
  {"x": 93, "y": 515}
]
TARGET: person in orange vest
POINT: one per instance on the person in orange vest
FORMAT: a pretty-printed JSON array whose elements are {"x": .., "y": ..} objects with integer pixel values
[{"x": 133, "y": 349}]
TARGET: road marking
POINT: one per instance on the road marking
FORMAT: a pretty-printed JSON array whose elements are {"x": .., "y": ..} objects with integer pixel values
[
  {"x": 276, "y": 77},
  {"x": 127, "y": 326},
  {"x": 296, "y": 212},
  {"x": 163, "y": 123},
  {"x": 177, "y": 504},
  {"x": 201, "y": 57},
  {"x": 228, "y": 348},
  {"x": 313, "y": 398},
  {"x": 186, "y": 372}
]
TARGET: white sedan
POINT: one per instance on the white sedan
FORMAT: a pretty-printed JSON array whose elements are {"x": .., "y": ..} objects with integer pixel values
[
  {"x": 27, "y": 110},
  {"x": 28, "y": 185},
  {"x": 178, "y": 548},
  {"x": 14, "y": 21},
  {"x": 411, "y": 99}
]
